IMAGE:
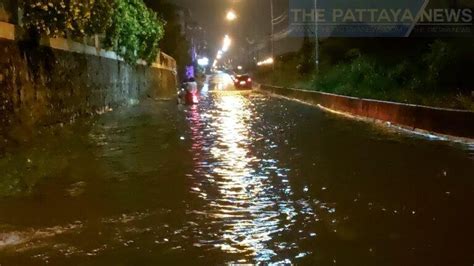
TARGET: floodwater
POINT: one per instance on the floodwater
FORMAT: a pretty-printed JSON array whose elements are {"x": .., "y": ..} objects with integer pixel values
[{"x": 239, "y": 178}]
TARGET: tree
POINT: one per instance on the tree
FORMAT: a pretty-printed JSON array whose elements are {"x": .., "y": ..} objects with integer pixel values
[
  {"x": 306, "y": 56},
  {"x": 174, "y": 43},
  {"x": 131, "y": 29},
  {"x": 135, "y": 31}
]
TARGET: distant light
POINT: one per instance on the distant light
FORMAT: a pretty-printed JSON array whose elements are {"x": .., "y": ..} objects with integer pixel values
[
  {"x": 267, "y": 61},
  {"x": 227, "y": 43},
  {"x": 231, "y": 16},
  {"x": 239, "y": 67},
  {"x": 203, "y": 61}
]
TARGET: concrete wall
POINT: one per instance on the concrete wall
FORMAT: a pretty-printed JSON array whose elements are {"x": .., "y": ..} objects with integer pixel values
[
  {"x": 442, "y": 121},
  {"x": 42, "y": 86}
]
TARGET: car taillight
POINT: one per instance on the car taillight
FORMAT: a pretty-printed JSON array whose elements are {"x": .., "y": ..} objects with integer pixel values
[{"x": 249, "y": 80}]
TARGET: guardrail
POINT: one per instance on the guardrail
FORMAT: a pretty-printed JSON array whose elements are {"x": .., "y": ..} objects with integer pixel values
[{"x": 448, "y": 122}]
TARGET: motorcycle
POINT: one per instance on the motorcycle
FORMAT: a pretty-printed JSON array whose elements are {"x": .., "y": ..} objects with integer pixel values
[{"x": 188, "y": 93}]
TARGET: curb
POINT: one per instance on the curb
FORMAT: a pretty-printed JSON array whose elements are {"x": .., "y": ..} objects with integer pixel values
[{"x": 456, "y": 125}]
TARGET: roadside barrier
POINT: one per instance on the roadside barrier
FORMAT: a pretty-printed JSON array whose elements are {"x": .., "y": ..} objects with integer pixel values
[{"x": 449, "y": 122}]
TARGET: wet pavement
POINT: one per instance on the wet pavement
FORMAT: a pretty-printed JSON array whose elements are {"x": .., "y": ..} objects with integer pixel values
[{"x": 241, "y": 177}]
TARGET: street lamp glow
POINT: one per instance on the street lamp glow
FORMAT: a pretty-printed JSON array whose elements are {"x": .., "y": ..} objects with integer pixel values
[
  {"x": 231, "y": 16},
  {"x": 227, "y": 43},
  {"x": 203, "y": 61},
  {"x": 268, "y": 61}
]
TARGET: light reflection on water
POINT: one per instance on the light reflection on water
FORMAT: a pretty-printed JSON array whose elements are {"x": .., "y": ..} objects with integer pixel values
[
  {"x": 237, "y": 178},
  {"x": 246, "y": 203},
  {"x": 471, "y": 150}
]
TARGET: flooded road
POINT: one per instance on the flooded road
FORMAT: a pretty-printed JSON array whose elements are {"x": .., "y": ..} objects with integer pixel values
[{"x": 241, "y": 177}]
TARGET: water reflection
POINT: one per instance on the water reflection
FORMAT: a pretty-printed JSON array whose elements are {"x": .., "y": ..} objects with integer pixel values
[
  {"x": 244, "y": 193},
  {"x": 471, "y": 151},
  {"x": 210, "y": 184}
]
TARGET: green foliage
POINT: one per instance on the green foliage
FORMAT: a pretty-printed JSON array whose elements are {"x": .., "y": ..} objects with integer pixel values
[
  {"x": 67, "y": 17},
  {"x": 132, "y": 30},
  {"x": 135, "y": 31},
  {"x": 361, "y": 78},
  {"x": 436, "y": 60},
  {"x": 101, "y": 17},
  {"x": 434, "y": 72},
  {"x": 406, "y": 82},
  {"x": 47, "y": 17},
  {"x": 307, "y": 62}
]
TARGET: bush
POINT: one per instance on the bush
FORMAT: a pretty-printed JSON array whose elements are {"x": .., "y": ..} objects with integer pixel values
[
  {"x": 47, "y": 17},
  {"x": 132, "y": 30},
  {"x": 436, "y": 60},
  {"x": 60, "y": 18},
  {"x": 363, "y": 77},
  {"x": 135, "y": 31},
  {"x": 101, "y": 17},
  {"x": 433, "y": 72}
]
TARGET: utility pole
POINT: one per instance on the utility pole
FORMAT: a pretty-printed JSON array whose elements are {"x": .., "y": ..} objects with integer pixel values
[
  {"x": 316, "y": 34},
  {"x": 273, "y": 32}
]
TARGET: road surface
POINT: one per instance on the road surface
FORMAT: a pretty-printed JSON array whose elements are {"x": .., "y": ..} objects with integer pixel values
[{"x": 241, "y": 177}]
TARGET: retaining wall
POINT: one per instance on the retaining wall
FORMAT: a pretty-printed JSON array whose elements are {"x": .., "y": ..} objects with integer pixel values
[
  {"x": 456, "y": 123},
  {"x": 42, "y": 86}
]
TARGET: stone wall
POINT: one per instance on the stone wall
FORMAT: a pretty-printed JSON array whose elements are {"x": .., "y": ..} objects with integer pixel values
[{"x": 41, "y": 86}]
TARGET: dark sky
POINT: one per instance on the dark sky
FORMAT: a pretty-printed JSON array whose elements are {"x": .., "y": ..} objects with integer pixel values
[
  {"x": 253, "y": 21},
  {"x": 211, "y": 13}
]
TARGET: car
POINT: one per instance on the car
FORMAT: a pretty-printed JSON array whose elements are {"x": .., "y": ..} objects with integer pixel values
[{"x": 242, "y": 82}]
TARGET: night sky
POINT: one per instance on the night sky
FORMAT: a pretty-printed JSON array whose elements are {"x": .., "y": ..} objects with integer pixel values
[
  {"x": 253, "y": 22},
  {"x": 211, "y": 13}
]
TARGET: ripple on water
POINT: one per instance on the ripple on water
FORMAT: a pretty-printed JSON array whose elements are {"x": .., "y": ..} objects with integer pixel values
[{"x": 248, "y": 200}]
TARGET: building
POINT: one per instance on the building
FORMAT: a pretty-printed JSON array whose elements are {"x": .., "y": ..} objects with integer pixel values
[{"x": 195, "y": 34}]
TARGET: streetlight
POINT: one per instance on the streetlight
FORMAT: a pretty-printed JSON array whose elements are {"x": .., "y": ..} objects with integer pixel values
[
  {"x": 273, "y": 32},
  {"x": 273, "y": 28},
  {"x": 231, "y": 15},
  {"x": 268, "y": 61},
  {"x": 227, "y": 43},
  {"x": 316, "y": 34},
  {"x": 203, "y": 61}
]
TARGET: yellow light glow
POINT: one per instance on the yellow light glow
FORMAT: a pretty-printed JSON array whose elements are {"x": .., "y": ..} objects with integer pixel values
[
  {"x": 268, "y": 61},
  {"x": 231, "y": 15},
  {"x": 233, "y": 169},
  {"x": 227, "y": 43}
]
